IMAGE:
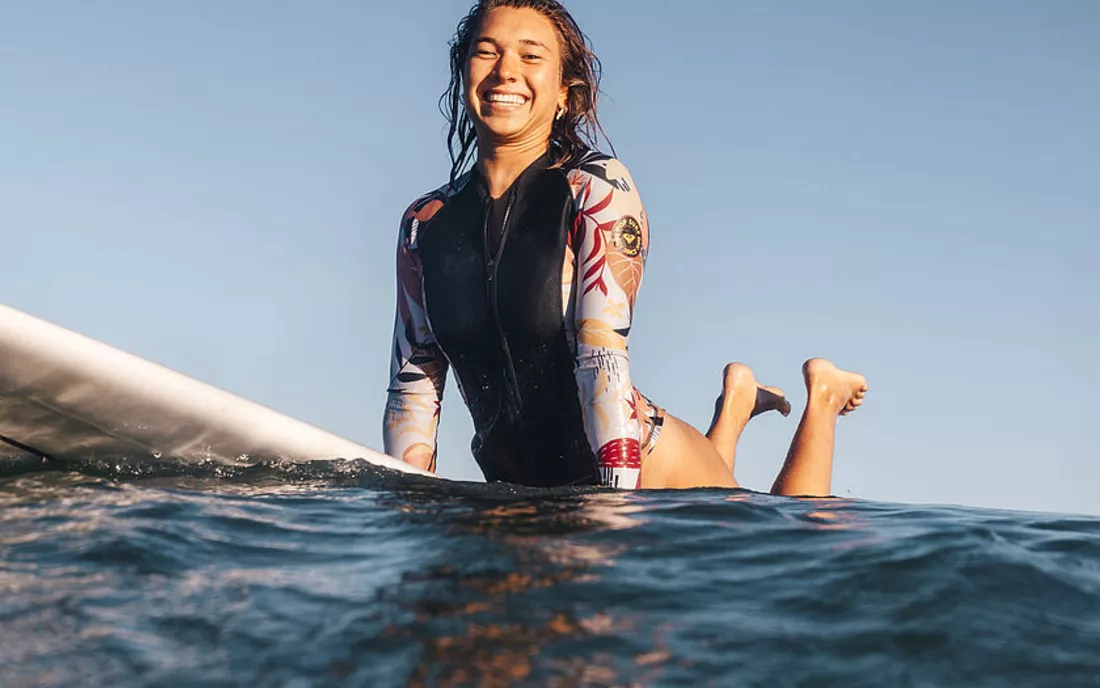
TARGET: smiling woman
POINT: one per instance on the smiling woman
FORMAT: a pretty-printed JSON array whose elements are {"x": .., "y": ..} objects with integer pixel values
[
  {"x": 556, "y": 61},
  {"x": 521, "y": 275}
]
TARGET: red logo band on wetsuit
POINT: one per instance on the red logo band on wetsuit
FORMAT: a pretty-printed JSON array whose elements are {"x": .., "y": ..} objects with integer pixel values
[{"x": 621, "y": 453}]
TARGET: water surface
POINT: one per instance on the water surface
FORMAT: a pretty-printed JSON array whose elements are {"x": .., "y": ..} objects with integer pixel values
[{"x": 336, "y": 574}]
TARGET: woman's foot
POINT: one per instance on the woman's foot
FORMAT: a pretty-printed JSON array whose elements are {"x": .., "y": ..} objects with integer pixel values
[
  {"x": 840, "y": 390},
  {"x": 741, "y": 400},
  {"x": 808, "y": 470},
  {"x": 744, "y": 398}
]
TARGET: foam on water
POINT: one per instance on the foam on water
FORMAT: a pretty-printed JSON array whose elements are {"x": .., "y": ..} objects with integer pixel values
[{"x": 335, "y": 573}]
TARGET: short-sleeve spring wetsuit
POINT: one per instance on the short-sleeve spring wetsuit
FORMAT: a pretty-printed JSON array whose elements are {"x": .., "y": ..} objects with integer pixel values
[{"x": 529, "y": 299}]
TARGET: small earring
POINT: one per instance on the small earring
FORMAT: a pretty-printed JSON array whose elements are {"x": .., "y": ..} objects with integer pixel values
[{"x": 561, "y": 113}]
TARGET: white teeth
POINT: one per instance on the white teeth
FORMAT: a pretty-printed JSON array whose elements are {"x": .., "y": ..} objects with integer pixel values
[{"x": 506, "y": 98}]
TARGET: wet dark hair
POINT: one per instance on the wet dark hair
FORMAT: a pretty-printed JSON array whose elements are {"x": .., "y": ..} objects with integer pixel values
[{"x": 576, "y": 131}]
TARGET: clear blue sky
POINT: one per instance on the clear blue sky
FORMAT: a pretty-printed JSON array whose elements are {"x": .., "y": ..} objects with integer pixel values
[{"x": 911, "y": 189}]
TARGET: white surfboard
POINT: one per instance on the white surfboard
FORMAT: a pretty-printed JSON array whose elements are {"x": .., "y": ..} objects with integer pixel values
[{"x": 68, "y": 397}]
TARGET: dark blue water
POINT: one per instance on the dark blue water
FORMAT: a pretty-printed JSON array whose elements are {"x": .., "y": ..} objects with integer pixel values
[{"x": 334, "y": 574}]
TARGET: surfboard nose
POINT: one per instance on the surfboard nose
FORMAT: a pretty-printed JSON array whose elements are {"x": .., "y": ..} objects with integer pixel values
[{"x": 70, "y": 397}]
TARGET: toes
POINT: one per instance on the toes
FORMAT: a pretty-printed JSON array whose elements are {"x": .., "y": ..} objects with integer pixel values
[
  {"x": 770, "y": 399},
  {"x": 851, "y": 406}
]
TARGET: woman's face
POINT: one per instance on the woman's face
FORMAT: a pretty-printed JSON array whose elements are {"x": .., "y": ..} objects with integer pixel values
[{"x": 513, "y": 77}]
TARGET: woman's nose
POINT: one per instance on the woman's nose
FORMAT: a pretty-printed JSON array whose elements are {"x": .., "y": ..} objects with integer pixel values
[{"x": 507, "y": 66}]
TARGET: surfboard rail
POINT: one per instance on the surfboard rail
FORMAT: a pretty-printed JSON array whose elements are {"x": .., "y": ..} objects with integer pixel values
[{"x": 70, "y": 397}]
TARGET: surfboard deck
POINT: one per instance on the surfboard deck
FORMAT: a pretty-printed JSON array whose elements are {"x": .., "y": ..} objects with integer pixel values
[{"x": 68, "y": 397}]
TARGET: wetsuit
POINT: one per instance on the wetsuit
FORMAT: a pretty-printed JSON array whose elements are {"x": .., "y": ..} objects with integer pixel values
[{"x": 529, "y": 300}]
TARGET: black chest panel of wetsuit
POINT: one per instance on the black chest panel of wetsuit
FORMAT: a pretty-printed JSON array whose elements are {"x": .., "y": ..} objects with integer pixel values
[{"x": 494, "y": 300}]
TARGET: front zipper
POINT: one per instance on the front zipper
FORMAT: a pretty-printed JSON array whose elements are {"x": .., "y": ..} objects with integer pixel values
[{"x": 491, "y": 265}]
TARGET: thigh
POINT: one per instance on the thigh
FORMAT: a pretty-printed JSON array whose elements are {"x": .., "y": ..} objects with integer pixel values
[{"x": 682, "y": 458}]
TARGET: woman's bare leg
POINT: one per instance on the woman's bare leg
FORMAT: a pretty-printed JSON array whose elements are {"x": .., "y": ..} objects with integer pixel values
[
  {"x": 742, "y": 400},
  {"x": 684, "y": 458},
  {"x": 831, "y": 392}
]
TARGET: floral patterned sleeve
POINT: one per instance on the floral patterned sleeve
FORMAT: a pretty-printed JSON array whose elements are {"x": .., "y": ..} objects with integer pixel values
[
  {"x": 610, "y": 241},
  {"x": 418, "y": 369}
]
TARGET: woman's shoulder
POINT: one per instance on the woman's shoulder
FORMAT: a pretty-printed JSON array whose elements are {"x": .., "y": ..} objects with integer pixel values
[
  {"x": 596, "y": 170},
  {"x": 428, "y": 204},
  {"x": 425, "y": 207}
]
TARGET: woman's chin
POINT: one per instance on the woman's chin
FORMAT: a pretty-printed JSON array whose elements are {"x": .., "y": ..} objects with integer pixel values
[
  {"x": 502, "y": 134},
  {"x": 506, "y": 131}
]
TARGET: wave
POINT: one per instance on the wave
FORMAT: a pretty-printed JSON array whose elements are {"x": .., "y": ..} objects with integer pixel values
[{"x": 340, "y": 573}]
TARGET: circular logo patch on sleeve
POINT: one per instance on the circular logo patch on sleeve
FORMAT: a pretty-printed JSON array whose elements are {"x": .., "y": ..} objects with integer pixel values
[{"x": 627, "y": 236}]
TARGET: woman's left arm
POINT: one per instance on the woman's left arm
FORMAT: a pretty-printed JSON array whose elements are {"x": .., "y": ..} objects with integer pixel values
[{"x": 611, "y": 240}]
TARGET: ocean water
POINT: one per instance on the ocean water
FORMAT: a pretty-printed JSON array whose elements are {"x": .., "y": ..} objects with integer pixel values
[{"x": 337, "y": 574}]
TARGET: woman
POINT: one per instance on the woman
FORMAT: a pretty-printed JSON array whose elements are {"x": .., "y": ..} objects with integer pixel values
[{"x": 521, "y": 276}]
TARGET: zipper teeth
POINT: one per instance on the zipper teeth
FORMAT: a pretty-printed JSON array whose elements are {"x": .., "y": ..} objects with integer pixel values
[
  {"x": 504, "y": 227},
  {"x": 513, "y": 382}
]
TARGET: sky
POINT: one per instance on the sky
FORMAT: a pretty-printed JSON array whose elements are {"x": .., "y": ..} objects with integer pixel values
[{"x": 909, "y": 189}]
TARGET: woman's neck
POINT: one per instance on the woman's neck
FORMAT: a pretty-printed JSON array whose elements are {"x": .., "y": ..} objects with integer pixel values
[{"x": 503, "y": 164}]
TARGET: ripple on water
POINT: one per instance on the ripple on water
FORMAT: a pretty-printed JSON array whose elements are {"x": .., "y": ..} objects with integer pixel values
[{"x": 334, "y": 573}]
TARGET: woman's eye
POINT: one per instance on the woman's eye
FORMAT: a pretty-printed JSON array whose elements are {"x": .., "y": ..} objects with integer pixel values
[
  {"x": 485, "y": 53},
  {"x": 532, "y": 57}
]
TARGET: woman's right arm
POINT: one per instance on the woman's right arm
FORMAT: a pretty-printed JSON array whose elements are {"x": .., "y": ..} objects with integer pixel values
[{"x": 418, "y": 369}]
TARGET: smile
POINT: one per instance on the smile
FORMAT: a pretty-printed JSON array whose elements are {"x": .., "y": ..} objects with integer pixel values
[{"x": 505, "y": 98}]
